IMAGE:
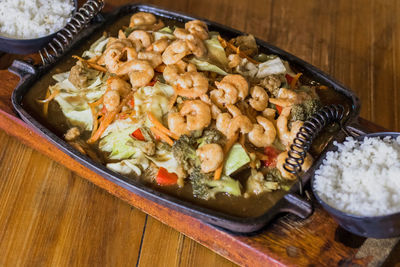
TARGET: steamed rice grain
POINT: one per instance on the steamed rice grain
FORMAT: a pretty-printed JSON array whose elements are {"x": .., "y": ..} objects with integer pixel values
[
  {"x": 362, "y": 177},
  {"x": 25, "y": 19}
]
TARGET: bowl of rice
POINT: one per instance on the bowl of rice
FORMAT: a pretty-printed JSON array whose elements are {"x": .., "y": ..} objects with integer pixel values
[
  {"x": 26, "y": 26},
  {"x": 358, "y": 183}
]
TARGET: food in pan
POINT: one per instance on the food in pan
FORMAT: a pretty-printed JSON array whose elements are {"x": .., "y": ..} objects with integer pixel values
[
  {"x": 21, "y": 19},
  {"x": 362, "y": 177},
  {"x": 184, "y": 107}
]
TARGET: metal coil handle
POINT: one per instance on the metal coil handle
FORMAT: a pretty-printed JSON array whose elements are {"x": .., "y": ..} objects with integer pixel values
[
  {"x": 306, "y": 135},
  {"x": 65, "y": 36}
]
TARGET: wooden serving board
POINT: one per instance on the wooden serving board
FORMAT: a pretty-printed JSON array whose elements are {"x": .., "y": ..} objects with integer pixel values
[
  {"x": 287, "y": 240},
  {"x": 317, "y": 240}
]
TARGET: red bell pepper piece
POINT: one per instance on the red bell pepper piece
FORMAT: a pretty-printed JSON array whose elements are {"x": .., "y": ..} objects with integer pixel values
[
  {"x": 137, "y": 134},
  {"x": 131, "y": 102},
  {"x": 165, "y": 178},
  {"x": 272, "y": 154},
  {"x": 289, "y": 78},
  {"x": 279, "y": 109}
]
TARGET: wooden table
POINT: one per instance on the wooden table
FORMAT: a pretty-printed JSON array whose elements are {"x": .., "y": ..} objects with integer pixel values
[{"x": 51, "y": 216}]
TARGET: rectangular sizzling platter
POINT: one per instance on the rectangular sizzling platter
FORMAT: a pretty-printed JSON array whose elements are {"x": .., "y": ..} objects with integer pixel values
[{"x": 288, "y": 202}]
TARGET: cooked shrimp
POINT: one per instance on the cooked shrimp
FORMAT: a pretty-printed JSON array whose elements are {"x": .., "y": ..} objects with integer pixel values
[
  {"x": 159, "y": 46},
  {"x": 197, "y": 28},
  {"x": 308, "y": 160},
  {"x": 119, "y": 85},
  {"x": 111, "y": 100},
  {"x": 117, "y": 88},
  {"x": 234, "y": 110},
  {"x": 175, "y": 52},
  {"x": 239, "y": 82},
  {"x": 215, "y": 111},
  {"x": 112, "y": 59},
  {"x": 194, "y": 115},
  {"x": 140, "y": 72},
  {"x": 197, "y": 113},
  {"x": 143, "y": 37},
  {"x": 234, "y": 60},
  {"x": 284, "y": 134},
  {"x": 240, "y": 124},
  {"x": 177, "y": 124},
  {"x": 286, "y": 98},
  {"x": 225, "y": 94},
  {"x": 114, "y": 52},
  {"x": 263, "y": 133},
  {"x": 130, "y": 53},
  {"x": 181, "y": 33},
  {"x": 154, "y": 58},
  {"x": 194, "y": 43},
  {"x": 296, "y": 125},
  {"x": 269, "y": 113},
  {"x": 142, "y": 18},
  {"x": 222, "y": 122},
  {"x": 206, "y": 99},
  {"x": 171, "y": 74},
  {"x": 211, "y": 157},
  {"x": 192, "y": 84},
  {"x": 259, "y": 98}
]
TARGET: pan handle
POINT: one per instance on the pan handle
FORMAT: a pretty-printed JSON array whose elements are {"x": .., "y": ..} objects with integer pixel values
[
  {"x": 306, "y": 135},
  {"x": 23, "y": 69},
  {"x": 296, "y": 205},
  {"x": 56, "y": 47}
]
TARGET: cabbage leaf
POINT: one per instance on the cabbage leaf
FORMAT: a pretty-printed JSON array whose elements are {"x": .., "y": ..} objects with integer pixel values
[
  {"x": 154, "y": 99},
  {"x": 97, "y": 48},
  {"x": 74, "y": 101},
  {"x": 206, "y": 66},
  {"x": 216, "y": 53}
]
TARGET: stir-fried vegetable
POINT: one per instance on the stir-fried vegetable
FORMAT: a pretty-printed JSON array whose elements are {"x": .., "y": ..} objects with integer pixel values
[{"x": 185, "y": 107}]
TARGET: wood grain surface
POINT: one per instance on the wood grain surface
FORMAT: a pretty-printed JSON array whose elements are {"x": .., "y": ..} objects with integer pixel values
[{"x": 50, "y": 216}]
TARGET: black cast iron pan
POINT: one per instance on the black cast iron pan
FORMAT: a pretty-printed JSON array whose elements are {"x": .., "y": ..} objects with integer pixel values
[{"x": 290, "y": 202}]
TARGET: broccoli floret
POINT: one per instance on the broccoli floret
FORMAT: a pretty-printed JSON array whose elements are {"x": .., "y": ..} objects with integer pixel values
[
  {"x": 305, "y": 110},
  {"x": 205, "y": 187},
  {"x": 184, "y": 151},
  {"x": 257, "y": 183},
  {"x": 211, "y": 136}
]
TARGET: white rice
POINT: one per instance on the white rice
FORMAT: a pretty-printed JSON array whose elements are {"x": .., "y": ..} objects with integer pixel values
[
  {"x": 27, "y": 19},
  {"x": 362, "y": 178}
]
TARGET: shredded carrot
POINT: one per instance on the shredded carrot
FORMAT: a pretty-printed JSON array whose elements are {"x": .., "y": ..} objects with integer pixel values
[
  {"x": 224, "y": 44},
  {"x": 46, "y": 105},
  {"x": 295, "y": 79},
  {"x": 91, "y": 64},
  {"x": 160, "y": 68},
  {"x": 323, "y": 87},
  {"x": 261, "y": 156},
  {"x": 161, "y": 127},
  {"x": 162, "y": 135},
  {"x": 97, "y": 102},
  {"x": 95, "y": 120},
  {"x": 49, "y": 96},
  {"x": 108, "y": 119},
  {"x": 93, "y": 59},
  {"x": 227, "y": 148},
  {"x": 94, "y": 115}
]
